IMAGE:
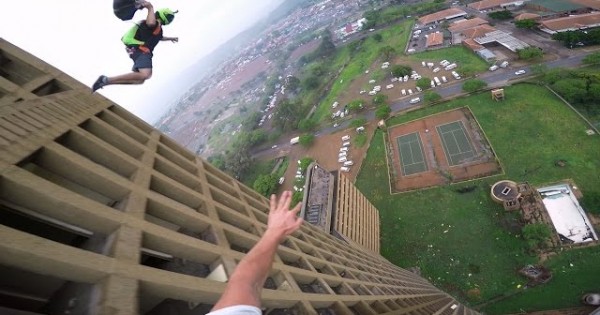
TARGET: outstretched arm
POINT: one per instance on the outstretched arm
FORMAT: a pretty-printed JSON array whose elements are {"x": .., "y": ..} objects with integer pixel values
[
  {"x": 151, "y": 17},
  {"x": 246, "y": 282},
  {"x": 172, "y": 39}
]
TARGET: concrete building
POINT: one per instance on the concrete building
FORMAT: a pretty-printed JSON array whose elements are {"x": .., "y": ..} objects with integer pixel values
[{"x": 103, "y": 214}]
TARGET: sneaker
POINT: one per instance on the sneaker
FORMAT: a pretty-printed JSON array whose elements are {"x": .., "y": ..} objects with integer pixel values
[{"x": 100, "y": 83}]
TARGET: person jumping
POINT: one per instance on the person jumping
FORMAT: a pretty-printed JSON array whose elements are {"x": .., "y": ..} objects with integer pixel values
[{"x": 140, "y": 41}]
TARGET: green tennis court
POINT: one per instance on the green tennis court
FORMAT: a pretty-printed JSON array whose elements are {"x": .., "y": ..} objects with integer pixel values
[
  {"x": 411, "y": 154},
  {"x": 457, "y": 146}
]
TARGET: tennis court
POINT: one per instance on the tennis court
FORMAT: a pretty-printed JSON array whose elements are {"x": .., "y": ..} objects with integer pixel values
[
  {"x": 411, "y": 154},
  {"x": 457, "y": 146}
]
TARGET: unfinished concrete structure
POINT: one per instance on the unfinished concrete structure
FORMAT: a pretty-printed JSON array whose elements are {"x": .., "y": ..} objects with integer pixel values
[{"x": 100, "y": 213}]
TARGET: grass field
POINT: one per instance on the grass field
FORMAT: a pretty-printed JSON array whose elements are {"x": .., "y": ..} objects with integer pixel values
[
  {"x": 395, "y": 36},
  {"x": 466, "y": 244},
  {"x": 464, "y": 58},
  {"x": 258, "y": 168}
]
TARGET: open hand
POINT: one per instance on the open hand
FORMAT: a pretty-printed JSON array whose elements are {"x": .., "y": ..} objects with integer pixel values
[
  {"x": 174, "y": 39},
  {"x": 282, "y": 220}
]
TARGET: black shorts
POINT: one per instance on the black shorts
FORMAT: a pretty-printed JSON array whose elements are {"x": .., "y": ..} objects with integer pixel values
[{"x": 141, "y": 60}]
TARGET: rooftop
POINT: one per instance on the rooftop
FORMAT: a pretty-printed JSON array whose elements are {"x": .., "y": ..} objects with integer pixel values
[
  {"x": 478, "y": 31},
  {"x": 572, "y": 22},
  {"x": 471, "y": 44},
  {"x": 434, "y": 39},
  {"x": 502, "y": 38},
  {"x": 441, "y": 15},
  {"x": 487, "y": 4},
  {"x": 465, "y": 24},
  {"x": 594, "y": 4}
]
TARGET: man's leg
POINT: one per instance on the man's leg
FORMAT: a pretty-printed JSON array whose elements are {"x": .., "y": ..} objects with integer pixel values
[{"x": 142, "y": 71}]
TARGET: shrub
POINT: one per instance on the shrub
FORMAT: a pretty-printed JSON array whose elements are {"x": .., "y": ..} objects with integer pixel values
[
  {"x": 424, "y": 83},
  {"x": 431, "y": 97},
  {"x": 530, "y": 53},
  {"x": 306, "y": 140},
  {"x": 383, "y": 112},
  {"x": 358, "y": 122},
  {"x": 473, "y": 85},
  {"x": 265, "y": 184},
  {"x": 536, "y": 235},
  {"x": 379, "y": 99},
  {"x": 400, "y": 70}
]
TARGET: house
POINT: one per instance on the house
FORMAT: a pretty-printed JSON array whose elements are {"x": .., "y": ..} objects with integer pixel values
[
  {"x": 501, "y": 38},
  {"x": 527, "y": 16},
  {"x": 556, "y": 8},
  {"x": 434, "y": 39},
  {"x": 571, "y": 23},
  {"x": 444, "y": 15}
]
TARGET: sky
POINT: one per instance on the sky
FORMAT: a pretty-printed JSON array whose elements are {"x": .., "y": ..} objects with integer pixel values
[{"x": 83, "y": 39}]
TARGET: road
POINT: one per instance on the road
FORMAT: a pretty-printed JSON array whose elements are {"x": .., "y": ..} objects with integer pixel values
[{"x": 498, "y": 78}]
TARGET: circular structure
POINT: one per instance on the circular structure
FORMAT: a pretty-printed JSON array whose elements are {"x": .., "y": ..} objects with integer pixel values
[{"x": 504, "y": 190}]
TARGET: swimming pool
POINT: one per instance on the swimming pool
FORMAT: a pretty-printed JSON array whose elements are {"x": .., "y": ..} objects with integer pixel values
[{"x": 569, "y": 219}]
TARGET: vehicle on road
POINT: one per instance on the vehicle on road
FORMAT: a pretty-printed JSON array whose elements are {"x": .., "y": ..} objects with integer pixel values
[
  {"x": 274, "y": 146},
  {"x": 281, "y": 179},
  {"x": 415, "y": 100},
  {"x": 348, "y": 163},
  {"x": 493, "y": 68},
  {"x": 295, "y": 140},
  {"x": 520, "y": 72}
]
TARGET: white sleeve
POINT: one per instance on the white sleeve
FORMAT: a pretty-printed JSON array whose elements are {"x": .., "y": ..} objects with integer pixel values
[{"x": 238, "y": 310}]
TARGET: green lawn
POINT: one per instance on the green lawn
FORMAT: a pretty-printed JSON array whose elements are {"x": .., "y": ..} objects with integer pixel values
[
  {"x": 258, "y": 168},
  {"x": 463, "y": 242},
  {"x": 464, "y": 58},
  {"x": 395, "y": 36}
]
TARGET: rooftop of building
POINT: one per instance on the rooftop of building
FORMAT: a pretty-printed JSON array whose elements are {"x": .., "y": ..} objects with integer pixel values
[
  {"x": 572, "y": 22},
  {"x": 435, "y": 39},
  {"x": 502, "y": 38},
  {"x": 478, "y": 31},
  {"x": 471, "y": 44},
  {"x": 466, "y": 24},
  {"x": 593, "y": 4},
  {"x": 441, "y": 15}
]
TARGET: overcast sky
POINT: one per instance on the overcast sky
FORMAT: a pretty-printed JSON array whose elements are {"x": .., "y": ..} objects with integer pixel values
[{"x": 82, "y": 38}]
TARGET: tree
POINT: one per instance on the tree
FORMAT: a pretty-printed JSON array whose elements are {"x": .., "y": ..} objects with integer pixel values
[
  {"x": 377, "y": 37},
  {"x": 304, "y": 163},
  {"x": 355, "y": 105},
  {"x": 238, "y": 161},
  {"x": 526, "y": 23},
  {"x": 500, "y": 15},
  {"x": 311, "y": 82},
  {"x": 530, "y": 53},
  {"x": 424, "y": 83},
  {"x": 387, "y": 52},
  {"x": 372, "y": 18},
  {"x": 257, "y": 136},
  {"x": 287, "y": 115},
  {"x": 358, "y": 122},
  {"x": 431, "y": 97},
  {"x": 217, "y": 161},
  {"x": 307, "y": 124},
  {"x": 306, "y": 140},
  {"x": 473, "y": 85},
  {"x": 380, "y": 99},
  {"x": 266, "y": 185},
  {"x": 292, "y": 83},
  {"x": 400, "y": 70},
  {"x": 383, "y": 112},
  {"x": 592, "y": 59},
  {"x": 539, "y": 68}
]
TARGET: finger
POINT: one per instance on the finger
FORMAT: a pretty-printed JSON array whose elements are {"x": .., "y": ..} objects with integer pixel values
[
  {"x": 296, "y": 209},
  {"x": 272, "y": 203},
  {"x": 298, "y": 223},
  {"x": 287, "y": 200},
  {"x": 282, "y": 199}
]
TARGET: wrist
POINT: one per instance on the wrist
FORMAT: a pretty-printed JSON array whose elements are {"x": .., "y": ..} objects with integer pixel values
[{"x": 274, "y": 235}]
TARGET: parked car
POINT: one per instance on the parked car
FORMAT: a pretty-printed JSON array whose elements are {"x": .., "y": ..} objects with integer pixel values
[
  {"x": 415, "y": 100},
  {"x": 345, "y": 169},
  {"x": 589, "y": 299},
  {"x": 520, "y": 72}
]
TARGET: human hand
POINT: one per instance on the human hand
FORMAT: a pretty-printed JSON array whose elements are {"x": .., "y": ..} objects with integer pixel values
[
  {"x": 145, "y": 4},
  {"x": 282, "y": 220},
  {"x": 174, "y": 39}
]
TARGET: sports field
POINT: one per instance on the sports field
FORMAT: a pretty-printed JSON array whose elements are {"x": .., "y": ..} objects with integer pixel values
[
  {"x": 411, "y": 154},
  {"x": 457, "y": 146},
  {"x": 439, "y": 149}
]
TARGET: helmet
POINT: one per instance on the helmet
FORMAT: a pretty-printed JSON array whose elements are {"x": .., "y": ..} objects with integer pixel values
[{"x": 166, "y": 16}]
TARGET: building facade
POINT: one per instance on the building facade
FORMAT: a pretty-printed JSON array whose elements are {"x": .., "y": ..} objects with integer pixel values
[{"x": 100, "y": 213}]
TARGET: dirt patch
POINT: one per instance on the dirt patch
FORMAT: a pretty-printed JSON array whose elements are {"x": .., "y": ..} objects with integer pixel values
[
  {"x": 304, "y": 49},
  {"x": 325, "y": 151},
  {"x": 439, "y": 171}
]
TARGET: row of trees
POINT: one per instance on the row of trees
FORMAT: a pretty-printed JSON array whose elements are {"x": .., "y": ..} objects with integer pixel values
[
  {"x": 578, "y": 38},
  {"x": 399, "y": 11}
]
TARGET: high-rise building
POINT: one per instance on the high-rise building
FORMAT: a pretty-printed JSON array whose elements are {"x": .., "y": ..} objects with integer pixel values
[{"x": 100, "y": 213}]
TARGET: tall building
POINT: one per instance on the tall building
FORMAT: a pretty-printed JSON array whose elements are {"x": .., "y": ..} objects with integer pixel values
[{"x": 100, "y": 213}]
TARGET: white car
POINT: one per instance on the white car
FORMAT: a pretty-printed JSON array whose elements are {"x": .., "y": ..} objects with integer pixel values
[
  {"x": 520, "y": 72},
  {"x": 415, "y": 100},
  {"x": 274, "y": 146}
]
